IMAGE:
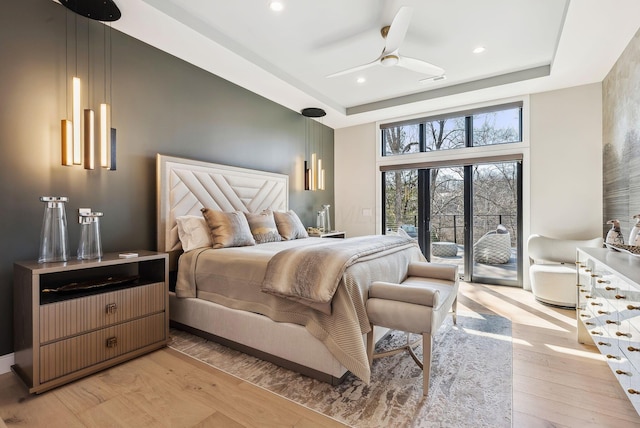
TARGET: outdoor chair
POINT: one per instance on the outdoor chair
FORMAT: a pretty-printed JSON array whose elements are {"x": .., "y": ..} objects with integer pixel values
[{"x": 494, "y": 247}]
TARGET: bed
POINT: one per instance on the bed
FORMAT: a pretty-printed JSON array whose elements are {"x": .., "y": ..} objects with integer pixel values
[{"x": 224, "y": 294}]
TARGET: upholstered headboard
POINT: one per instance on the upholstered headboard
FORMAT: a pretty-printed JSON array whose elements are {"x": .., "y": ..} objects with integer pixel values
[{"x": 185, "y": 186}]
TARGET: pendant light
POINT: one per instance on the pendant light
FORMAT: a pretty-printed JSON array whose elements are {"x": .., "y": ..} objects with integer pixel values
[
  {"x": 75, "y": 149},
  {"x": 311, "y": 169},
  {"x": 89, "y": 136}
]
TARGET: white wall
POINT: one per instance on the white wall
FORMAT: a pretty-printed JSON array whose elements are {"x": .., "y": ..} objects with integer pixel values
[
  {"x": 562, "y": 182},
  {"x": 566, "y": 162},
  {"x": 355, "y": 175}
]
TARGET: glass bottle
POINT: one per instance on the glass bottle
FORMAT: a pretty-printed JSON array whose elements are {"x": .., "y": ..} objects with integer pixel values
[
  {"x": 54, "y": 241},
  {"x": 320, "y": 221},
  {"x": 327, "y": 217},
  {"x": 90, "y": 246}
]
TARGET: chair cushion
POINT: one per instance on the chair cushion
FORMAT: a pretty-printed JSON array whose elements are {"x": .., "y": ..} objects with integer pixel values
[{"x": 387, "y": 309}]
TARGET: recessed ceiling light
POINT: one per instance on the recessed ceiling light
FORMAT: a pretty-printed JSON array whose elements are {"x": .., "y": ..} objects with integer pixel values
[
  {"x": 361, "y": 80},
  {"x": 276, "y": 6},
  {"x": 479, "y": 50}
]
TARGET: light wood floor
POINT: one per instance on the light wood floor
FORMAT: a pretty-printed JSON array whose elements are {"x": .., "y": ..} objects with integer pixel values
[{"x": 556, "y": 383}]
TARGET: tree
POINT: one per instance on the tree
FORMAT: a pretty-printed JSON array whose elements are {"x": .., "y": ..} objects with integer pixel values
[{"x": 495, "y": 191}]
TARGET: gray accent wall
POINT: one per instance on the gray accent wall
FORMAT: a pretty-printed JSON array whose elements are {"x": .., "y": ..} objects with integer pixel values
[
  {"x": 160, "y": 105},
  {"x": 621, "y": 139}
]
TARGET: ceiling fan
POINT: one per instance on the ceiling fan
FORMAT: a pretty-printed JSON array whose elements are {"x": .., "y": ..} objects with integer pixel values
[{"x": 394, "y": 35}]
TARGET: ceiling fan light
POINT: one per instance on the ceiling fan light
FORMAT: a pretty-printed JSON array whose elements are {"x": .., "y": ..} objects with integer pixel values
[{"x": 389, "y": 60}]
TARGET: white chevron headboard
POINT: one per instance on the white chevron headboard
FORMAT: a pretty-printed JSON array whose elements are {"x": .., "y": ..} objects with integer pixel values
[{"x": 185, "y": 186}]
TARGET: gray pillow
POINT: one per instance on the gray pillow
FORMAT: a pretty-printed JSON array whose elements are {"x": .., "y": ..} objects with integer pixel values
[
  {"x": 228, "y": 229},
  {"x": 263, "y": 227},
  {"x": 289, "y": 225}
]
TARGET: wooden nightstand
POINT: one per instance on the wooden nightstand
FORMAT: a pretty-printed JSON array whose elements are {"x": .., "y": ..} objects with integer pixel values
[
  {"x": 65, "y": 335},
  {"x": 334, "y": 234}
]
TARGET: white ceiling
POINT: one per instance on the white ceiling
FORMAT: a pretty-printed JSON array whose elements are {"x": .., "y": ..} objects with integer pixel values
[{"x": 531, "y": 46}]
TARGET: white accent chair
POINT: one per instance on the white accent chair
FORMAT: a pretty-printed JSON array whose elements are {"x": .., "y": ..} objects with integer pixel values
[
  {"x": 553, "y": 270},
  {"x": 417, "y": 305}
]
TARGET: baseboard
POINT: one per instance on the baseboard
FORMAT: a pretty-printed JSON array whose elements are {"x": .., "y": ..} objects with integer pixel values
[{"x": 6, "y": 361}]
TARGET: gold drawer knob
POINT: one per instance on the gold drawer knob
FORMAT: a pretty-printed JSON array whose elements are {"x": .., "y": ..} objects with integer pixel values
[
  {"x": 112, "y": 308},
  {"x": 596, "y": 304},
  {"x": 609, "y": 288},
  {"x": 619, "y": 296},
  {"x": 595, "y": 275},
  {"x": 632, "y": 391},
  {"x": 587, "y": 270},
  {"x": 621, "y": 372},
  {"x": 633, "y": 349},
  {"x": 112, "y": 342},
  {"x": 619, "y": 333},
  {"x": 613, "y": 357},
  {"x": 596, "y": 332},
  {"x": 604, "y": 313},
  {"x": 612, "y": 322},
  {"x": 585, "y": 315},
  {"x": 589, "y": 323},
  {"x": 604, "y": 344},
  {"x": 633, "y": 308},
  {"x": 604, "y": 281},
  {"x": 588, "y": 296}
]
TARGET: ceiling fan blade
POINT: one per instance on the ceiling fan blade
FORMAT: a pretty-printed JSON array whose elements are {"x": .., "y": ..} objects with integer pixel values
[
  {"x": 354, "y": 69},
  {"x": 398, "y": 29},
  {"x": 420, "y": 66}
]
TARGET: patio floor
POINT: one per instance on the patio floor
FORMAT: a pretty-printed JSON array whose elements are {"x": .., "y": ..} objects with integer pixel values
[{"x": 504, "y": 271}]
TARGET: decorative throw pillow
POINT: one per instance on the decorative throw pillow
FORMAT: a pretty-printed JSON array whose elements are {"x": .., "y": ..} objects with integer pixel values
[
  {"x": 263, "y": 227},
  {"x": 193, "y": 232},
  {"x": 228, "y": 229},
  {"x": 289, "y": 225}
]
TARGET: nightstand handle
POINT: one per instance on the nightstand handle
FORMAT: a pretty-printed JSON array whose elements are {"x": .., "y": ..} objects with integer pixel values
[
  {"x": 112, "y": 308},
  {"x": 112, "y": 342}
]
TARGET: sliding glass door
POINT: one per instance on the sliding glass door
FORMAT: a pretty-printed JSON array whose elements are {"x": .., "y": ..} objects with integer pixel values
[
  {"x": 466, "y": 215},
  {"x": 496, "y": 230}
]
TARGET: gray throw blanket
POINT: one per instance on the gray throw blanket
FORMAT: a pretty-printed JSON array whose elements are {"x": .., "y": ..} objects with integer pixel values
[{"x": 311, "y": 274}]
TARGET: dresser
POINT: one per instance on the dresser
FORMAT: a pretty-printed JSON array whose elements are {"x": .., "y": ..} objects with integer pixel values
[
  {"x": 75, "y": 318},
  {"x": 608, "y": 312}
]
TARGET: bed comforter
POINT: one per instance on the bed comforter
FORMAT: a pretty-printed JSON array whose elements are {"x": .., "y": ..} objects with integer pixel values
[{"x": 233, "y": 277}]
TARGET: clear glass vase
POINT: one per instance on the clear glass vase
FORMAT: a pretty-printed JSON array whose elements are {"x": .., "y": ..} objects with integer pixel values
[
  {"x": 320, "y": 221},
  {"x": 327, "y": 217},
  {"x": 90, "y": 246},
  {"x": 54, "y": 240}
]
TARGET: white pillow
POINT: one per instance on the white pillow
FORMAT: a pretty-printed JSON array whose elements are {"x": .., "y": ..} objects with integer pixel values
[{"x": 193, "y": 232}]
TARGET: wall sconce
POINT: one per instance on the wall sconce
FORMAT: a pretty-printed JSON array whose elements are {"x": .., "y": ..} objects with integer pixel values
[
  {"x": 313, "y": 171},
  {"x": 77, "y": 141}
]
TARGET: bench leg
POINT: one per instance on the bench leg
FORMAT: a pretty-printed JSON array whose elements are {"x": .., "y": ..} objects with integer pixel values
[
  {"x": 427, "y": 343},
  {"x": 454, "y": 308},
  {"x": 370, "y": 346}
]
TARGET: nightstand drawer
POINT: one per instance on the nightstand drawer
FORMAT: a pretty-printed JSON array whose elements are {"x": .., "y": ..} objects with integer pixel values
[
  {"x": 76, "y": 316},
  {"x": 67, "y": 356}
]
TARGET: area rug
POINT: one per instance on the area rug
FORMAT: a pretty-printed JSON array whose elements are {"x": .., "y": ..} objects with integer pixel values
[{"x": 471, "y": 379}]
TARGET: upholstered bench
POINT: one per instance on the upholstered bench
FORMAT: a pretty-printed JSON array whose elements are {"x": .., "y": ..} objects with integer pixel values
[{"x": 417, "y": 305}]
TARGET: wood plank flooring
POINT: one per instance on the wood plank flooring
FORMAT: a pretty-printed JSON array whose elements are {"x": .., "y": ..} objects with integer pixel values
[{"x": 557, "y": 383}]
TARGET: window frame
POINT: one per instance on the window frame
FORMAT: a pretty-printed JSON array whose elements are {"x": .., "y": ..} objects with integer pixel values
[{"x": 466, "y": 115}]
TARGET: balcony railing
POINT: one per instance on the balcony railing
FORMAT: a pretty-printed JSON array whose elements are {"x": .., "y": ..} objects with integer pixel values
[{"x": 450, "y": 227}]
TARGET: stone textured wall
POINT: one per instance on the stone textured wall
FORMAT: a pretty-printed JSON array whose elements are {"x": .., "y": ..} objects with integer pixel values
[{"x": 621, "y": 139}]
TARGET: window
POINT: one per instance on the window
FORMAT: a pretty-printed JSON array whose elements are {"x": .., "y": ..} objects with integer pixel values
[
  {"x": 483, "y": 127},
  {"x": 399, "y": 140}
]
